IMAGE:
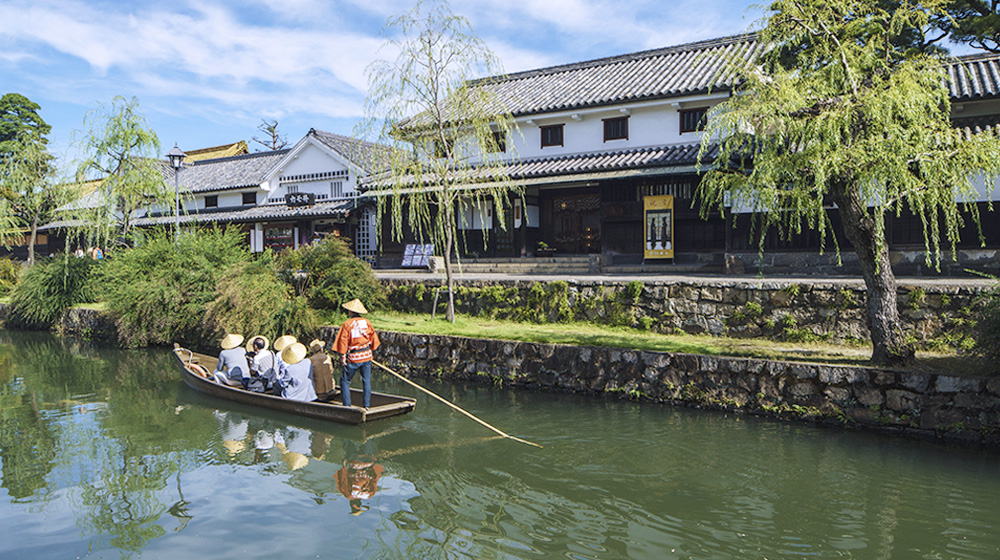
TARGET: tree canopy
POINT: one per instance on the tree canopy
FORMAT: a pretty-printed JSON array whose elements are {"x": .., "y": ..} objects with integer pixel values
[
  {"x": 447, "y": 133},
  {"x": 856, "y": 117},
  {"x": 19, "y": 122},
  {"x": 122, "y": 156}
]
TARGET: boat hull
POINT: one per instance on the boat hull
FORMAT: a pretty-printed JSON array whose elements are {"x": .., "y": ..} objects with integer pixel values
[{"x": 383, "y": 405}]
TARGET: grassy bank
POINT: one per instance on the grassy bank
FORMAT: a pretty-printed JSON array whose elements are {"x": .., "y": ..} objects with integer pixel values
[{"x": 589, "y": 334}]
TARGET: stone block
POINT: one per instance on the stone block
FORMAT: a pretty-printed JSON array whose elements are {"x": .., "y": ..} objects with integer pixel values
[
  {"x": 780, "y": 298},
  {"x": 711, "y": 293},
  {"x": 803, "y": 371},
  {"x": 837, "y": 395},
  {"x": 918, "y": 382},
  {"x": 735, "y": 296},
  {"x": 993, "y": 385},
  {"x": 869, "y": 396},
  {"x": 800, "y": 391},
  {"x": 884, "y": 378},
  {"x": 977, "y": 401},
  {"x": 953, "y": 384},
  {"x": 901, "y": 401},
  {"x": 835, "y": 375}
]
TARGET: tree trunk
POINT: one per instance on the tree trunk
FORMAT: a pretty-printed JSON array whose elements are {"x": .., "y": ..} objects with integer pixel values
[
  {"x": 889, "y": 346},
  {"x": 31, "y": 240},
  {"x": 449, "y": 243}
]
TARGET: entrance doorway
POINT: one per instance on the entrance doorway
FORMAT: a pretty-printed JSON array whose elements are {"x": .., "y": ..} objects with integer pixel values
[{"x": 575, "y": 224}]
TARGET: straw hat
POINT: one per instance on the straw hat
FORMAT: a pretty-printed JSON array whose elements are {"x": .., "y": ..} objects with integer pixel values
[
  {"x": 293, "y": 354},
  {"x": 283, "y": 342},
  {"x": 316, "y": 345},
  {"x": 356, "y": 306},
  {"x": 295, "y": 461},
  {"x": 231, "y": 341},
  {"x": 233, "y": 446},
  {"x": 250, "y": 347}
]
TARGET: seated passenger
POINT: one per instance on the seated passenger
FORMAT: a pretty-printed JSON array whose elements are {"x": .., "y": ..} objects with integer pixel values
[
  {"x": 322, "y": 369},
  {"x": 232, "y": 368},
  {"x": 296, "y": 377},
  {"x": 280, "y": 344},
  {"x": 264, "y": 363}
]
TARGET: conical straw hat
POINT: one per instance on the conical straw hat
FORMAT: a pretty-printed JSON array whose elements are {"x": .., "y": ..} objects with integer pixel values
[
  {"x": 316, "y": 345},
  {"x": 253, "y": 338},
  {"x": 356, "y": 306},
  {"x": 233, "y": 446},
  {"x": 295, "y": 461},
  {"x": 294, "y": 353},
  {"x": 231, "y": 341},
  {"x": 283, "y": 342}
]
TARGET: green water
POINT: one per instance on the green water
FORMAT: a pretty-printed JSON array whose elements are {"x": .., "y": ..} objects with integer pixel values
[{"x": 106, "y": 454}]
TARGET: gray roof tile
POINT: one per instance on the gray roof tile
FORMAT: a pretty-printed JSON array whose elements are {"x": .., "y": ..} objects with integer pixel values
[
  {"x": 326, "y": 209},
  {"x": 236, "y": 172}
]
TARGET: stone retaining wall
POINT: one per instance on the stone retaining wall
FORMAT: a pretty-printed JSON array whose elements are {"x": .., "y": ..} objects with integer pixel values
[
  {"x": 834, "y": 311},
  {"x": 931, "y": 406}
]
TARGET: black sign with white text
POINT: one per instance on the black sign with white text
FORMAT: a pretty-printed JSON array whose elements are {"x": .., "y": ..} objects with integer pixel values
[{"x": 300, "y": 199}]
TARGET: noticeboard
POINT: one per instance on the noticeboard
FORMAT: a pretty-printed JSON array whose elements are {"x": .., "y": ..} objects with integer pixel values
[
  {"x": 659, "y": 227},
  {"x": 418, "y": 255}
]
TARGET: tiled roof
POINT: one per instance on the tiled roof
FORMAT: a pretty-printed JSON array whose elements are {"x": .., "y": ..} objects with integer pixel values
[
  {"x": 228, "y": 173},
  {"x": 226, "y": 150},
  {"x": 970, "y": 126},
  {"x": 655, "y": 74},
  {"x": 595, "y": 162},
  {"x": 365, "y": 155},
  {"x": 660, "y": 156},
  {"x": 974, "y": 77},
  {"x": 328, "y": 209}
]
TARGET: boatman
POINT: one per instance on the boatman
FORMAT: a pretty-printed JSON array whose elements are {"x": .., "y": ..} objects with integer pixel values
[{"x": 355, "y": 342}]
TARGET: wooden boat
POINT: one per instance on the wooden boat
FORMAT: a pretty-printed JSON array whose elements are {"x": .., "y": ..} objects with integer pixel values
[{"x": 196, "y": 371}]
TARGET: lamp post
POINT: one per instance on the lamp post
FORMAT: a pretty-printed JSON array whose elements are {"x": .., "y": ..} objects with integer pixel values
[{"x": 176, "y": 158}]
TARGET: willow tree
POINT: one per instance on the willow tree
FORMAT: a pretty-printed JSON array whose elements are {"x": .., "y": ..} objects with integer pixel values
[
  {"x": 29, "y": 193},
  {"x": 839, "y": 110},
  {"x": 446, "y": 130},
  {"x": 121, "y": 158}
]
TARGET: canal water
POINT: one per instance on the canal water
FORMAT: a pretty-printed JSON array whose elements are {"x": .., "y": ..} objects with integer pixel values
[{"x": 106, "y": 454}]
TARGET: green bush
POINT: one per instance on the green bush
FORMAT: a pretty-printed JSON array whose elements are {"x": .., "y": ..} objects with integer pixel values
[
  {"x": 251, "y": 300},
  {"x": 10, "y": 271},
  {"x": 50, "y": 287},
  {"x": 158, "y": 291},
  {"x": 328, "y": 274}
]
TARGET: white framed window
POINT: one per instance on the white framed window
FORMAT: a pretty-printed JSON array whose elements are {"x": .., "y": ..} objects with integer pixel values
[{"x": 336, "y": 189}]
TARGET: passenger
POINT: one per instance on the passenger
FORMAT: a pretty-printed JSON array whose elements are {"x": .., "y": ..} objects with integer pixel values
[
  {"x": 232, "y": 368},
  {"x": 355, "y": 342},
  {"x": 295, "y": 378},
  {"x": 280, "y": 344},
  {"x": 322, "y": 369},
  {"x": 263, "y": 364}
]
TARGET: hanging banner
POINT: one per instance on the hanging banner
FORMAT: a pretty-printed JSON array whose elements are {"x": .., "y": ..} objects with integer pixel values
[{"x": 659, "y": 224}]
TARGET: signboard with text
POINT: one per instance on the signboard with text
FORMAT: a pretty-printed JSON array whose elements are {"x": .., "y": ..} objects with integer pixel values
[
  {"x": 300, "y": 199},
  {"x": 659, "y": 226}
]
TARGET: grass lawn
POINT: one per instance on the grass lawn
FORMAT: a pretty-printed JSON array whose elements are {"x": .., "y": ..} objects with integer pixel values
[{"x": 588, "y": 334}]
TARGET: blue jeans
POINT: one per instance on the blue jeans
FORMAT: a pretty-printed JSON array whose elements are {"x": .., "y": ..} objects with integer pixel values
[{"x": 366, "y": 382}]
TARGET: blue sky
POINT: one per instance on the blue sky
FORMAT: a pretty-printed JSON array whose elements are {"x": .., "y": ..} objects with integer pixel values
[{"x": 206, "y": 72}]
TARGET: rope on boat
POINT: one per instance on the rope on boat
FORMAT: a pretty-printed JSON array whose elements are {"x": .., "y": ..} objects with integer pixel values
[{"x": 456, "y": 407}]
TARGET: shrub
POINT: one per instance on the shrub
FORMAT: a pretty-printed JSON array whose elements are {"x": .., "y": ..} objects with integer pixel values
[
  {"x": 328, "y": 274},
  {"x": 251, "y": 299},
  {"x": 158, "y": 291},
  {"x": 10, "y": 271},
  {"x": 50, "y": 287}
]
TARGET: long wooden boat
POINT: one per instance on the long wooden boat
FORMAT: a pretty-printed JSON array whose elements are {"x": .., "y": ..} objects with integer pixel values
[{"x": 195, "y": 366}]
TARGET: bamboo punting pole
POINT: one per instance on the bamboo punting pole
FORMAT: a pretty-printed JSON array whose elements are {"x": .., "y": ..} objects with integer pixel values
[{"x": 456, "y": 407}]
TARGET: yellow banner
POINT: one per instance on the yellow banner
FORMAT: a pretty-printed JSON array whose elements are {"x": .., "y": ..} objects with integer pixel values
[{"x": 659, "y": 224}]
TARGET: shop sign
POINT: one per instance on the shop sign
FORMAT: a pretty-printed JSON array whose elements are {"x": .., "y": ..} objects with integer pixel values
[
  {"x": 300, "y": 199},
  {"x": 659, "y": 226}
]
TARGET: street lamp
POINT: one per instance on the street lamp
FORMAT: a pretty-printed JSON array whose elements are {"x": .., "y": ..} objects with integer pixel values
[{"x": 176, "y": 158}]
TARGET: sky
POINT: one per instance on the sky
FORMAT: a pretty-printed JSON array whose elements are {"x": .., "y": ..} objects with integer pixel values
[{"x": 207, "y": 72}]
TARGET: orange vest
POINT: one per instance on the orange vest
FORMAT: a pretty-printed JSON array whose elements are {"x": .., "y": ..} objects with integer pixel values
[{"x": 356, "y": 339}]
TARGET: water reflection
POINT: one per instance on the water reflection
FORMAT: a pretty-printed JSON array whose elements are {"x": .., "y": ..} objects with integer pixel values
[{"x": 106, "y": 454}]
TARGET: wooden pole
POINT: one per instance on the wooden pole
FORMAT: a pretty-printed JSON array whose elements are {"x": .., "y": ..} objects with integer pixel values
[{"x": 456, "y": 407}]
